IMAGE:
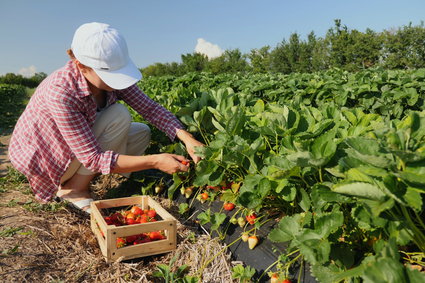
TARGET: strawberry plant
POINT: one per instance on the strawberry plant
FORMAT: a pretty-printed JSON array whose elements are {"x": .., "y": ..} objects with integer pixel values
[{"x": 336, "y": 158}]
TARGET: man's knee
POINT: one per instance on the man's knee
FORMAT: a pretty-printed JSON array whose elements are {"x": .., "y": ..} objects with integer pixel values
[{"x": 120, "y": 113}]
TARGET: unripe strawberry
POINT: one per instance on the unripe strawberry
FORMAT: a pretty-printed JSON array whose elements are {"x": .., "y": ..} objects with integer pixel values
[
  {"x": 233, "y": 220},
  {"x": 245, "y": 237},
  {"x": 159, "y": 189},
  {"x": 188, "y": 192},
  {"x": 252, "y": 242},
  {"x": 241, "y": 221}
]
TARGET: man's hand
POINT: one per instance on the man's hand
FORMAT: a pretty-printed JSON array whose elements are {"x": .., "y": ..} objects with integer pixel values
[
  {"x": 170, "y": 163},
  {"x": 190, "y": 143}
]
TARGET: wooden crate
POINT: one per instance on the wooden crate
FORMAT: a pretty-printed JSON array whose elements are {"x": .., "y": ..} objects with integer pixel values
[{"x": 107, "y": 234}]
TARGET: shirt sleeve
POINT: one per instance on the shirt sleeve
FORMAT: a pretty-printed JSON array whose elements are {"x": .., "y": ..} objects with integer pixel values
[
  {"x": 78, "y": 135},
  {"x": 150, "y": 110}
]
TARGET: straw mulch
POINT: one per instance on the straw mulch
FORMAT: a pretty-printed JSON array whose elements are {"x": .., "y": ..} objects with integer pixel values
[{"x": 43, "y": 246}]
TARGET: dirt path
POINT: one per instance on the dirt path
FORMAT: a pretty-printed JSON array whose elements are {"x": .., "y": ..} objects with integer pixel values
[{"x": 4, "y": 161}]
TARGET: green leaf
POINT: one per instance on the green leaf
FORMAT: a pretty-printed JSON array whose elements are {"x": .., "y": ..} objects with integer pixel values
[
  {"x": 361, "y": 190},
  {"x": 216, "y": 220},
  {"x": 254, "y": 189},
  {"x": 289, "y": 228},
  {"x": 305, "y": 200},
  {"x": 205, "y": 217},
  {"x": 313, "y": 247},
  {"x": 413, "y": 199},
  {"x": 414, "y": 179},
  {"x": 385, "y": 270},
  {"x": 328, "y": 223},
  {"x": 176, "y": 183}
]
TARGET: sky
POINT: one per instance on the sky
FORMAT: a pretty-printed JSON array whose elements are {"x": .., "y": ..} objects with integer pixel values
[{"x": 34, "y": 35}]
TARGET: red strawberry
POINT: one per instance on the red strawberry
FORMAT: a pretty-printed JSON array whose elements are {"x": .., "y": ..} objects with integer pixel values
[
  {"x": 143, "y": 218},
  {"x": 151, "y": 213},
  {"x": 228, "y": 206},
  {"x": 251, "y": 218},
  {"x": 204, "y": 196},
  {"x": 141, "y": 241},
  {"x": 131, "y": 239},
  {"x": 117, "y": 219},
  {"x": 185, "y": 162},
  {"x": 120, "y": 242},
  {"x": 108, "y": 220},
  {"x": 156, "y": 235},
  {"x": 252, "y": 241},
  {"x": 136, "y": 210}
]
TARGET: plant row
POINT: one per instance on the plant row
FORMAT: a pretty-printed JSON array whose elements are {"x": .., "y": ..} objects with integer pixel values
[{"x": 337, "y": 158}]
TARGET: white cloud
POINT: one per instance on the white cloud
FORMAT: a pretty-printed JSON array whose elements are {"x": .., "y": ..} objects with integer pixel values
[
  {"x": 28, "y": 71},
  {"x": 209, "y": 49}
]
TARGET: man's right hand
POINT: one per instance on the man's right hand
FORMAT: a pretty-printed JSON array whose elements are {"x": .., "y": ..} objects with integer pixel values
[{"x": 170, "y": 163}]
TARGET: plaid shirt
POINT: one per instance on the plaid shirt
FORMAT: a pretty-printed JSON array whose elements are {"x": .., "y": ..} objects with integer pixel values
[{"x": 56, "y": 127}]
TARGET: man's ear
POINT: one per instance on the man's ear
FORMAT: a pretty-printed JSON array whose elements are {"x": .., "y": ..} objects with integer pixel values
[{"x": 83, "y": 68}]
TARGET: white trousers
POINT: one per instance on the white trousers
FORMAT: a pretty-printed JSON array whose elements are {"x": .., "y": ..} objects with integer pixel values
[{"x": 114, "y": 131}]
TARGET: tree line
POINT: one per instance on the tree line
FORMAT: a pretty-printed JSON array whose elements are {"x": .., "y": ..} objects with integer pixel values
[
  {"x": 341, "y": 47},
  {"x": 15, "y": 79}
]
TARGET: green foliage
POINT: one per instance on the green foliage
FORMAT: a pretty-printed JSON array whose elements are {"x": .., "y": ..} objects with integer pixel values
[
  {"x": 244, "y": 274},
  {"x": 13, "y": 99},
  {"x": 171, "y": 274},
  {"x": 339, "y": 156}
]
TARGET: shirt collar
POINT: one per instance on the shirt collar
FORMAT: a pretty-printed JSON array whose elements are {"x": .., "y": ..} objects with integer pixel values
[{"x": 81, "y": 82}]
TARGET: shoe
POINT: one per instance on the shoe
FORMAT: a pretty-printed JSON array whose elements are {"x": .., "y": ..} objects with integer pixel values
[{"x": 77, "y": 206}]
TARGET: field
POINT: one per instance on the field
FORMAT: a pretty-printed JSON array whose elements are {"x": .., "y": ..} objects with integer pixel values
[{"x": 336, "y": 158}]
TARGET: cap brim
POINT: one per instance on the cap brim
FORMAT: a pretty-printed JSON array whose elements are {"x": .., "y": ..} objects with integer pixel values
[{"x": 121, "y": 78}]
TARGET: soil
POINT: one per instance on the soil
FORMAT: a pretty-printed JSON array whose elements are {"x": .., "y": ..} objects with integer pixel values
[{"x": 49, "y": 243}]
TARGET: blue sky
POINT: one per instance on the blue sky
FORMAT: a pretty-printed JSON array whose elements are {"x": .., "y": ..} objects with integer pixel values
[{"x": 36, "y": 34}]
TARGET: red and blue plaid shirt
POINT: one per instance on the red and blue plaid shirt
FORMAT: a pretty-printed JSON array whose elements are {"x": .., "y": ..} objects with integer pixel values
[{"x": 56, "y": 127}]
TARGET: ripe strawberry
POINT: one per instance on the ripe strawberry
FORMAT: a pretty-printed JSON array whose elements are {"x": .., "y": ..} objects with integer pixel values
[
  {"x": 136, "y": 210},
  {"x": 185, "y": 162},
  {"x": 117, "y": 219},
  {"x": 286, "y": 281},
  {"x": 151, "y": 213},
  {"x": 130, "y": 221},
  {"x": 252, "y": 241},
  {"x": 120, "y": 242},
  {"x": 108, "y": 220},
  {"x": 204, "y": 196},
  {"x": 228, "y": 206},
  {"x": 156, "y": 235},
  {"x": 143, "y": 218},
  {"x": 130, "y": 215},
  {"x": 245, "y": 237},
  {"x": 131, "y": 239},
  {"x": 141, "y": 241},
  {"x": 251, "y": 218},
  {"x": 241, "y": 221}
]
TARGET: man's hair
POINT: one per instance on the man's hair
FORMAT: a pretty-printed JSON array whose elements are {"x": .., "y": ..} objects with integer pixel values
[{"x": 70, "y": 54}]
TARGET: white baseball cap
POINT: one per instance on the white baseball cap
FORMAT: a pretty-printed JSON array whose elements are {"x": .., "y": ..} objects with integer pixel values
[{"x": 103, "y": 49}]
